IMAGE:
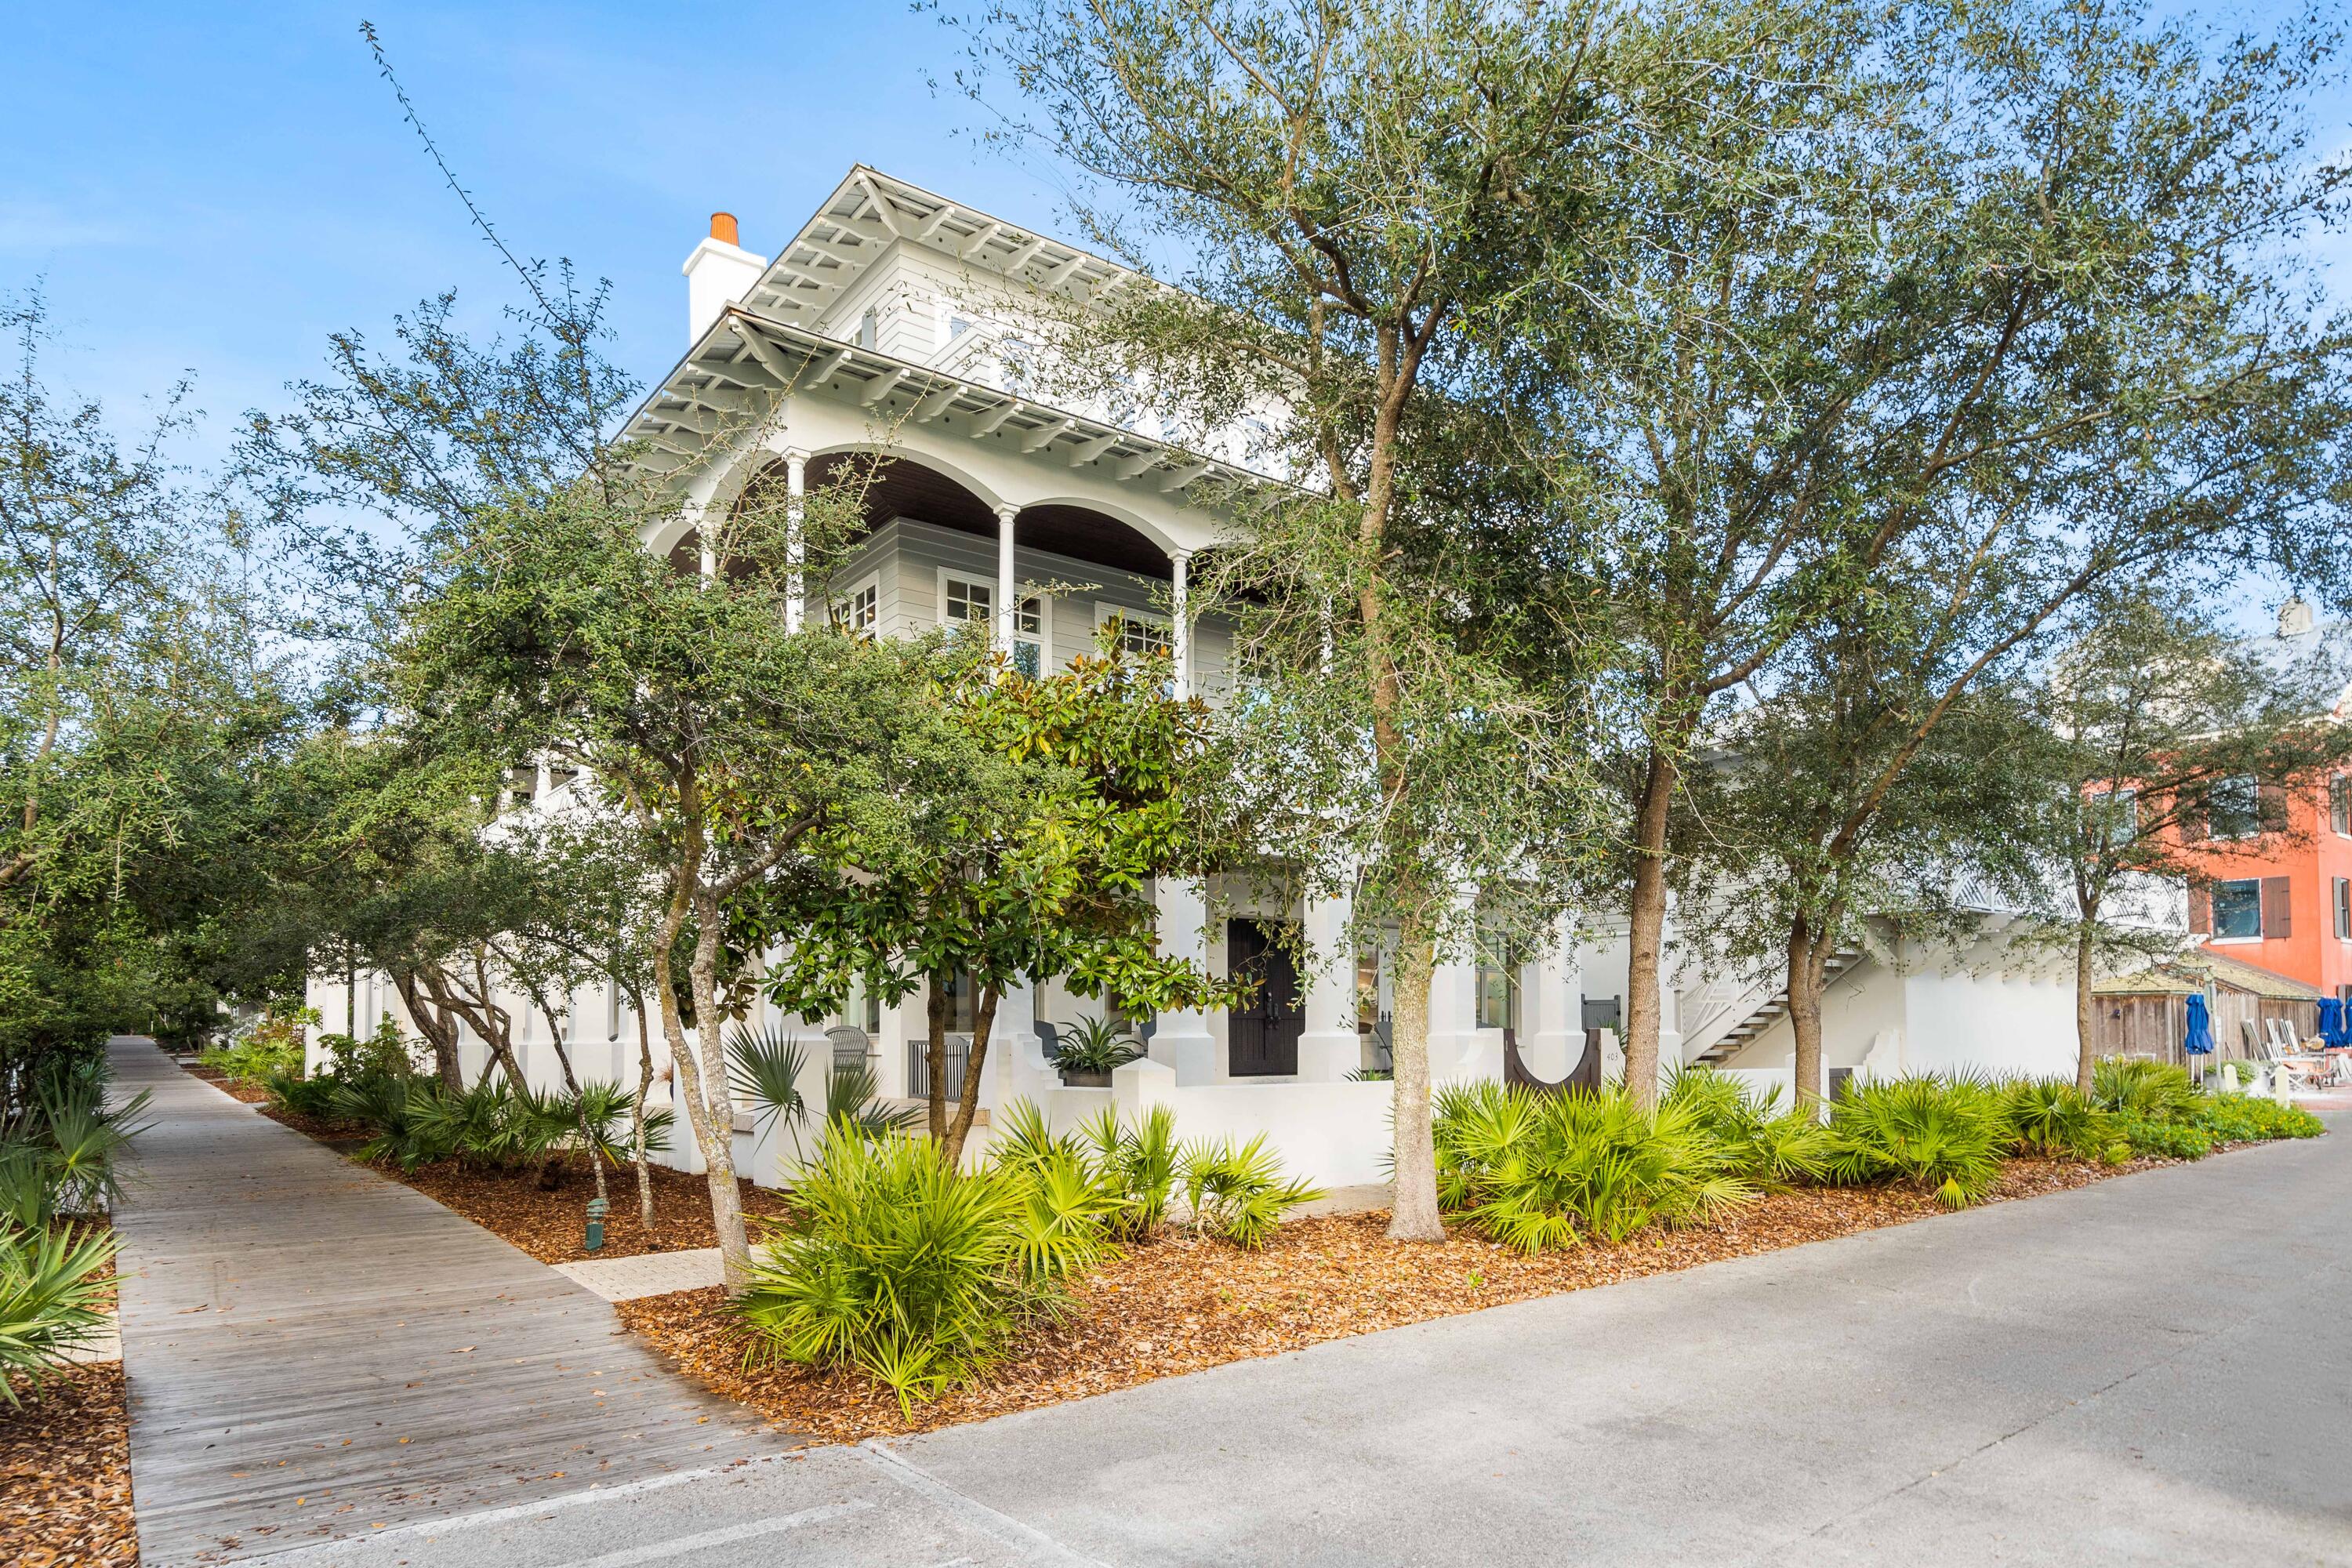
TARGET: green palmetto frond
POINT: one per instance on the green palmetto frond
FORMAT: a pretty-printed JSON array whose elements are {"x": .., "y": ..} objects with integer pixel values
[
  {"x": 53, "y": 1297},
  {"x": 765, "y": 1068}
]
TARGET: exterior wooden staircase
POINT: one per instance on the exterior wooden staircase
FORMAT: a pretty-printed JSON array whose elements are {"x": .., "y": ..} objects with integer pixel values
[{"x": 1764, "y": 1009}]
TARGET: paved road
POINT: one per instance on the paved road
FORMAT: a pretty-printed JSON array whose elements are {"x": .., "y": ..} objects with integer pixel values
[
  {"x": 313, "y": 1350},
  {"x": 2155, "y": 1369}
]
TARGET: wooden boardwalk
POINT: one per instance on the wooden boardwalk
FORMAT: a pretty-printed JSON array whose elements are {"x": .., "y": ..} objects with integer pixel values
[{"x": 315, "y": 1352}]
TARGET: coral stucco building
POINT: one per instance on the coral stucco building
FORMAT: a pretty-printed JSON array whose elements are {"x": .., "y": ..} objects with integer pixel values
[{"x": 2284, "y": 900}]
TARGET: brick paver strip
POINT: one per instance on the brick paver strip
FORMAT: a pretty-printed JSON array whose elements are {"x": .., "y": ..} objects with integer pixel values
[{"x": 649, "y": 1274}]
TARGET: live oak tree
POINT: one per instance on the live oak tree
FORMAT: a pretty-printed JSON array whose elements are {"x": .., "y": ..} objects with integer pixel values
[
  {"x": 729, "y": 741},
  {"x": 1712, "y": 318},
  {"x": 1787, "y": 881},
  {"x": 144, "y": 722},
  {"x": 2140, "y": 721},
  {"x": 2035, "y": 312},
  {"x": 1344, "y": 186}
]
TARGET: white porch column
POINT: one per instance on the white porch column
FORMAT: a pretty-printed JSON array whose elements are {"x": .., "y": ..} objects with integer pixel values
[
  {"x": 1182, "y": 1038},
  {"x": 1179, "y": 626},
  {"x": 1551, "y": 1027},
  {"x": 1330, "y": 1049},
  {"x": 795, "y": 480},
  {"x": 1458, "y": 1048},
  {"x": 697, "y": 513},
  {"x": 1004, "y": 607}
]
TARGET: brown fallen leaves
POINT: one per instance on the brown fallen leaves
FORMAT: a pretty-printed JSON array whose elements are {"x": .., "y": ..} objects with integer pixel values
[
  {"x": 1182, "y": 1304},
  {"x": 552, "y": 1226},
  {"x": 65, "y": 1474}
]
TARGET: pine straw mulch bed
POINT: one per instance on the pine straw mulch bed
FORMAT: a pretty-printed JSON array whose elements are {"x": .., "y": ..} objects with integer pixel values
[
  {"x": 65, "y": 1474},
  {"x": 1180, "y": 1304},
  {"x": 551, "y": 1227}
]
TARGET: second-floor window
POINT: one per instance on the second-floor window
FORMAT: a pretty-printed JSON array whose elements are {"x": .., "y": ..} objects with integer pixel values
[
  {"x": 968, "y": 600},
  {"x": 2234, "y": 808},
  {"x": 2339, "y": 804},
  {"x": 1138, "y": 636},
  {"x": 2238, "y": 907},
  {"x": 2117, "y": 812},
  {"x": 2344, "y": 908}
]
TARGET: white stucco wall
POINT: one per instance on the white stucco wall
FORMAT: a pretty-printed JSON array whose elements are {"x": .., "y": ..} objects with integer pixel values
[{"x": 1990, "y": 1023}]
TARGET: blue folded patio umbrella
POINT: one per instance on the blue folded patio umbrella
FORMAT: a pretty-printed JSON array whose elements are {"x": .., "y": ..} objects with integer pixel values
[
  {"x": 2199, "y": 1040},
  {"x": 2332, "y": 1029}
]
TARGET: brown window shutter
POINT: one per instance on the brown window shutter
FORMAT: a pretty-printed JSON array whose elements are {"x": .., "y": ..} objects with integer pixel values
[
  {"x": 2271, "y": 806},
  {"x": 2192, "y": 820},
  {"x": 2200, "y": 911},
  {"x": 2276, "y": 922}
]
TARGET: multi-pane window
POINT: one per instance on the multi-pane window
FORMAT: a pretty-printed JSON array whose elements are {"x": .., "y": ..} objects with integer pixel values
[
  {"x": 969, "y": 601},
  {"x": 2238, "y": 907},
  {"x": 1029, "y": 636},
  {"x": 2344, "y": 908},
  {"x": 2234, "y": 808},
  {"x": 1138, "y": 638},
  {"x": 973, "y": 602},
  {"x": 1497, "y": 990},
  {"x": 2119, "y": 811},
  {"x": 2339, "y": 804},
  {"x": 859, "y": 610}
]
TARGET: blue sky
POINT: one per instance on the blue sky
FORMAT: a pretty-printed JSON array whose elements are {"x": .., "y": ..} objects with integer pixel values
[{"x": 214, "y": 189}]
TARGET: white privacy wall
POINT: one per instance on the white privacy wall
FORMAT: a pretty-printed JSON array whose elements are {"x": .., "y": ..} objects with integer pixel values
[{"x": 1990, "y": 1023}]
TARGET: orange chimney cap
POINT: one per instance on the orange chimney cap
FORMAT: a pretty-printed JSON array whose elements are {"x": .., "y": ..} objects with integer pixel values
[{"x": 722, "y": 229}]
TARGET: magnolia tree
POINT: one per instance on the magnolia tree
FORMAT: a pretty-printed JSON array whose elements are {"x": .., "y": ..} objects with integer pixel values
[{"x": 1090, "y": 782}]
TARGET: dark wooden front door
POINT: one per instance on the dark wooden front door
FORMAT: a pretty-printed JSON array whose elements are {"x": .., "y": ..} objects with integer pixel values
[{"x": 1262, "y": 1033}]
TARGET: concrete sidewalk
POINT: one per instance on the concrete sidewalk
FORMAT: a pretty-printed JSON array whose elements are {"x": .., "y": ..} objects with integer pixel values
[
  {"x": 2152, "y": 1370},
  {"x": 316, "y": 1353}
]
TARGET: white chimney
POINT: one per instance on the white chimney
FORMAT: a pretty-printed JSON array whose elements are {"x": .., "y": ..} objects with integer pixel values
[
  {"x": 2294, "y": 617},
  {"x": 719, "y": 273}
]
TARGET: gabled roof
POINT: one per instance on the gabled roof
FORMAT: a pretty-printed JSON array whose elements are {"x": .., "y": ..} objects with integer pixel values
[{"x": 869, "y": 210}]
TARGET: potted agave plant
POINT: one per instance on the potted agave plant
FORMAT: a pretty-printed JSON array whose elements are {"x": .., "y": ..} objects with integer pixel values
[{"x": 1092, "y": 1048}]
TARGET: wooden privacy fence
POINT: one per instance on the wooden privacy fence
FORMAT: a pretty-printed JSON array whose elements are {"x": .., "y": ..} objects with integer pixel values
[{"x": 2153, "y": 1025}]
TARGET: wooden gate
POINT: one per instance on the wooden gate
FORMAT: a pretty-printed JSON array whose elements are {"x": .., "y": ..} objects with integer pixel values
[{"x": 1262, "y": 1033}]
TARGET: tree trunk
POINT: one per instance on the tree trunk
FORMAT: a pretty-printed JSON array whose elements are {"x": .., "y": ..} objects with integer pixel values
[
  {"x": 983, "y": 1023},
  {"x": 935, "y": 1052},
  {"x": 708, "y": 1084},
  {"x": 1646, "y": 930},
  {"x": 637, "y": 1120},
  {"x": 2086, "y": 1004},
  {"x": 1413, "y": 1207},
  {"x": 1807, "y": 958},
  {"x": 588, "y": 1143},
  {"x": 435, "y": 1023},
  {"x": 707, "y": 1108}
]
